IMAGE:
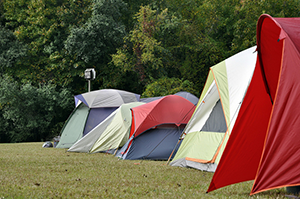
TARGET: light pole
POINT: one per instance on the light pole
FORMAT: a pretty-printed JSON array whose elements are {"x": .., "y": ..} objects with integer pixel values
[{"x": 89, "y": 74}]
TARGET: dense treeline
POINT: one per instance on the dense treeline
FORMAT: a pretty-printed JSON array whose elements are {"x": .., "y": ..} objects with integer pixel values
[{"x": 148, "y": 47}]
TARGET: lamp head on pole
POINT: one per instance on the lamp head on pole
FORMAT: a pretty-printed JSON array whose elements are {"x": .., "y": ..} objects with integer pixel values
[{"x": 90, "y": 74}]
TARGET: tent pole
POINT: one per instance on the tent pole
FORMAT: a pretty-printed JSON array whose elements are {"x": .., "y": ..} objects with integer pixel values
[
  {"x": 179, "y": 137},
  {"x": 175, "y": 147},
  {"x": 172, "y": 152},
  {"x": 115, "y": 152}
]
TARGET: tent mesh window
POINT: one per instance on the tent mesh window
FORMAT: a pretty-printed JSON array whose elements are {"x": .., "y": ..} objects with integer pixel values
[{"x": 216, "y": 120}]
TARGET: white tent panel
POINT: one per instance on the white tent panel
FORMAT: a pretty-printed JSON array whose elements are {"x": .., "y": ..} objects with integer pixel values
[
  {"x": 240, "y": 76},
  {"x": 117, "y": 132},
  {"x": 203, "y": 111}
]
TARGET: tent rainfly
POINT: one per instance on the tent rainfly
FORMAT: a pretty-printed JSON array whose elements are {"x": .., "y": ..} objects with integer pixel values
[
  {"x": 264, "y": 144},
  {"x": 91, "y": 109},
  {"x": 156, "y": 127},
  {"x": 207, "y": 132}
]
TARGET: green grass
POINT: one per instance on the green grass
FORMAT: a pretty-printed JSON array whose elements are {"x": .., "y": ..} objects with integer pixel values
[{"x": 29, "y": 171}]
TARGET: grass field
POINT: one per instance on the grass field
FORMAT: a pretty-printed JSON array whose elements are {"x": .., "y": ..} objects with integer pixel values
[{"x": 30, "y": 171}]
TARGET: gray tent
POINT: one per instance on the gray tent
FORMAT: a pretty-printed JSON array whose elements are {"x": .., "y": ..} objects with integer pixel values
[{"x": 91, "y": 109}]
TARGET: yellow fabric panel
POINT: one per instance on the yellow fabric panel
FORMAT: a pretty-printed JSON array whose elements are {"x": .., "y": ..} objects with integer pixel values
[{"x": 200, "y": 145}]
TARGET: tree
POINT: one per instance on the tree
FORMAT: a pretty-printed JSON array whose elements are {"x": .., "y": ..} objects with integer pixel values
[
  {"x": 248, "y": 12},
  {"x": 44, "y": 26},
  {"x": 144, "y": 51},
  {"x": 6, "y": 128},
  {"x": 115, "y": 77},
  {"x": 2, "y": 19},
  {"x": 168, "y": 86},
  {"x": 11, "y": 50},
  {"x": 214, "y": 30},
  {"x": 35, "y": 113},
  {"x": 232, "y": 26},
  {"x": 92, "y": 43}
]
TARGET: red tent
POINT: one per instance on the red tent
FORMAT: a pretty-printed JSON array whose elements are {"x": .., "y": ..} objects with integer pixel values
[
  {"x": 264, "y": 144},
  {"x": 151, "y": 125},
  {"x": 171, "y": 109}
]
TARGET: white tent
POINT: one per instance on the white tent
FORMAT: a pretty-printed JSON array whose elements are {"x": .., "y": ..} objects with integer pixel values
[
  {"x": 208, "y": 130},
  {"x": 112, "y": 133}
]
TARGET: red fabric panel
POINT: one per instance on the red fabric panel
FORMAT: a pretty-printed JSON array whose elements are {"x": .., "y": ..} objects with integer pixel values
[
  {"x": 172, "y": 109},
  {"x": 291, "y": 27},
  {"x": 242, "y": 154},
  {"x": 270, "y": 52},
  {"x": 132, "y": 124},
  {"x": 280, "y": 162}
]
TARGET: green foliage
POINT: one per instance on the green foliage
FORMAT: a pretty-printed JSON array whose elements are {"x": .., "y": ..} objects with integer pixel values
[
  {"x": 230, "y": 25},
  {"x": 247, "y": 14},
  {"x": 11, "y": 50},
  {"x": 32, "y": 111},
  {"x": 168, "y": 86},
  {"x": 2, "y": 18},
  {"x": 6, "y": 127},
  {"x": 163, "y": 44},
  {"x": 44, "y": 26},
  {"x": 114, "y": 77},
  {"x": 149, "y": 50},
  {"x": 91, "y": 44},
  {"x": 100, "y": 35},
  {"x": 133, "y": 7}
]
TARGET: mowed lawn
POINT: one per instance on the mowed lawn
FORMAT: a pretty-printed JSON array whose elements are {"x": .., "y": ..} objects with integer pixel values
[{"x": 30, "y": 171}]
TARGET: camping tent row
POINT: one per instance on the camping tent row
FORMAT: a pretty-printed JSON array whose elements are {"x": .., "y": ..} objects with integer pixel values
[
  {"x": 224, "y": 89},
  {"x": 264, "y": 143},
  {"x": 114, "y": 130},
  {"x": 157, "y": 124},
  {"x": 248, "y": 128}
]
